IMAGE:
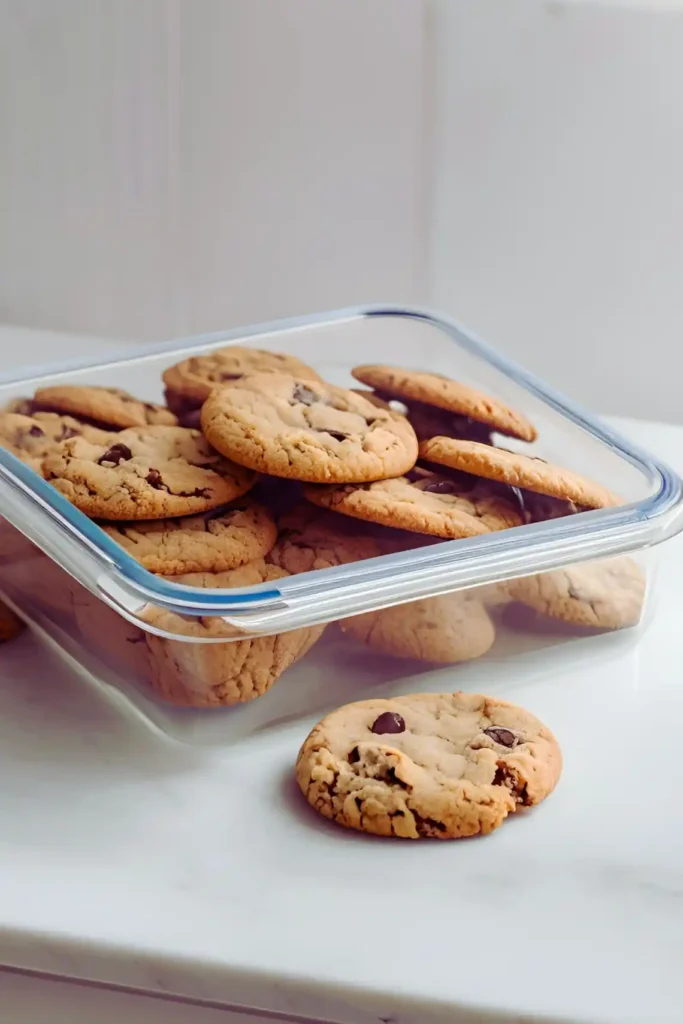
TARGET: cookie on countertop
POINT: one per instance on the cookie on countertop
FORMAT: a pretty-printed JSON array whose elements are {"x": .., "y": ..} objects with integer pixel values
[
  {"x": 10, "y": 624},
  {"x": 190, "y": 382},
  {"x": 431, "y": 504},
  {"x": 105, "y": 407},
  {"x": 311, "y": 538},
  {"x": 443, "y": 630},
  {"x": 524, "y": 471},
  {"x": 447, "y": 394},
  {"x": 146, "y": 473},
  {"x": 606, "y": 594},
  {"x": 428, "y": 764},
  {"x": 32, "y": 438},
  {"x": 214, "y": 541},
  {"x": 221, "y": 674},
  {"x": 307, "y": 430}
]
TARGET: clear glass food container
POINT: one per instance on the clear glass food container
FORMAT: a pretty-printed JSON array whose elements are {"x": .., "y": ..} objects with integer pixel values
[{"x": 151, "y": 644}]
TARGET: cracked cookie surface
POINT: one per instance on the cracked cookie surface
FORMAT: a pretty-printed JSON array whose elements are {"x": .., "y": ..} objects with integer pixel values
[
  {"x": 524, "y": 471},
  {"x": 32, "y": 438},
  {"x": 607, "y": 594},
  {"x": 214, "y": 541},
  {"x": 190, "y": 382},
  {"x": 110, "y": 407},
  {"x": 440, "y": 765},
  {"x": 145, "y": 473},
  {"x": 431, "y": 504},
  {"x": 312, "y": 538},
  {"x": 305, "y": 430},
  {"x": 446, "y": 394}
]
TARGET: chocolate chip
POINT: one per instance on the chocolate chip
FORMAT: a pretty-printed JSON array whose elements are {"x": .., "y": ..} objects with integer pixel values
[
  {"x": 440, "y": 487},
  {"x": 388, "y": 722},
  {"x": 154, "y": 479},
  {"x": 354, "y": 756},
  {"x": 230, "y": 376},
  {"x": 502, "y": 736},
  {"x": 337, "y": 435},
  {"x": 117, "y": 453},
  {"x": 36, "y": 432},
  {"x": 304, "y": 395},
  {"x": 68, "y": 432}
]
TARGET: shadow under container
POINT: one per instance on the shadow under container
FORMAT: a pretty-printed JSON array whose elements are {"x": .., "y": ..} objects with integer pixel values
[{"x": 189, "y": 660}]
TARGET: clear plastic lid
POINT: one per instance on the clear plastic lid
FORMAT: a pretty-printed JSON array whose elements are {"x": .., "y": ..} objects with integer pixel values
[{"x": 333, "y": 343}]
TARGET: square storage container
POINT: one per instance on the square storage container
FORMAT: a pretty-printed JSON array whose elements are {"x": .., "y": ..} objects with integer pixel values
[{"x": 176, "y": 654}]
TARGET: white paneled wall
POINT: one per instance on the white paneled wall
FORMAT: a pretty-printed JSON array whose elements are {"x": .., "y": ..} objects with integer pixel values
[
  {"x": 558, "y": 198},
  {"x": 172, "y": 166}
]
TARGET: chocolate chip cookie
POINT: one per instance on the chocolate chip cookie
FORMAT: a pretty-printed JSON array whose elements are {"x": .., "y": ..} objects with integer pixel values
[
  {"x": 307, "y": 430},
  {"x": 214, "y": 541},
  {"x": 311, "y": 538},
  {"x": 146, "y": 473},
  {"x": 190, "y": 382},
  {"x": 106, "y": 407},
  {"x": 430, "y": 764},
  {"x": 430, "y": 504},
  {"x": 517, "y": 470},
  {"x": 443, "y": 630},
  {"x": 446, "y": 394},
  {"x": 606, "y": 594},
  {"x": 32, "y": 438},
  {"x": 221, "y": 674}
]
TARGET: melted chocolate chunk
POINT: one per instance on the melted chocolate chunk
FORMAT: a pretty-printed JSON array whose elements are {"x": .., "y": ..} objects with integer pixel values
[
  {"x": 505, "y": 737},
  {"x": 117, "y": 453},
  {"x": 354, "y": 756},
  {"x": 337, "y": 435},
  {"x": 388, "y": 722},
  {"x": 154, "y": 479},
  {"x": 36, "y": 432},
  {"x": 304, "y": 395},
  {"x": 441, "y": 487}
]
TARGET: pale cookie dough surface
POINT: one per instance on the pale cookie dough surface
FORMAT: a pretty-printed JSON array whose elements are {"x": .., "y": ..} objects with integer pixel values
[
  {"x": 431, "y": 504},
  {"x": 214, "y": 541},
  {"x": 451, "y": 395},
  {"x": 441, "y": 765},
  {"x": 608, "y": 594},
  {"x": 517, "y": 470},
  {"x": 307, "y": 430},
  {"x": 107, "y": 406},
  {"x": 145, "y": 473},
  {"x": 221, "y": 674},
  {"x": 310, "y": 538},
  {"x": 32, "y": 438},
  {"x": 442, "y": 630},
  {"x": 10, "y": 624},
  {"x": 191, "y": 381}
]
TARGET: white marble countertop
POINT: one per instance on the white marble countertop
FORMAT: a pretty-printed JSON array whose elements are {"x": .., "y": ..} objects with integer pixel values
[{"x": 141, "y": 863}]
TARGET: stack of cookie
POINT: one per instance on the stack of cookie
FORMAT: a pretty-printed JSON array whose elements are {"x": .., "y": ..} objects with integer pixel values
[{"x": 257, "y": 469}]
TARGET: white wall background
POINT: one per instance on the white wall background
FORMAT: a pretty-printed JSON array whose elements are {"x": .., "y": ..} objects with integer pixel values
[
  {"x": 174, "y": 166},
  {"x": 558, "y": 193}
]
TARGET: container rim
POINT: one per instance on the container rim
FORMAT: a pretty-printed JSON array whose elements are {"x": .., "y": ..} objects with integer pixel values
[{"x": 42, "y": 510}]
